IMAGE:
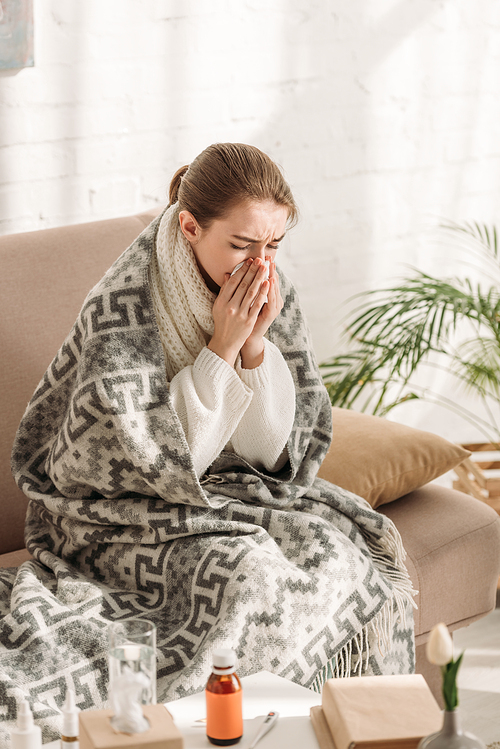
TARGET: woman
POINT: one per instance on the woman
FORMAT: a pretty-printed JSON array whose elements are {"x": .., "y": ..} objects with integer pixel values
[
  {"x": 170, "y": 456},
  {"x": 212, "y": 323}
]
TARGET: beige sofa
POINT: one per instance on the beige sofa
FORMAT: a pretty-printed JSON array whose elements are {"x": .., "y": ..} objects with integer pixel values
[{"x": 452, "y": 540}]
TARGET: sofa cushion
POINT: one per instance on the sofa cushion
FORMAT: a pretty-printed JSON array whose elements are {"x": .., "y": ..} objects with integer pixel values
[
  {"x": 453, "y": 545},
  {"x": 381, "y": 460}
]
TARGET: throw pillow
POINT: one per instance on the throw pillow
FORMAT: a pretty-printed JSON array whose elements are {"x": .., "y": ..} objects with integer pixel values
[{"x": 381, "y": 460}]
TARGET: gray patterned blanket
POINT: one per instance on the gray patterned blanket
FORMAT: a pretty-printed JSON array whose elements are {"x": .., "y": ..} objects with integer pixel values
[{"x": 300, "y": 577}]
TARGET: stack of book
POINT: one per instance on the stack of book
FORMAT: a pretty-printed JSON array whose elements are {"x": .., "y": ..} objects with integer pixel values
[{"x": 375, "y": 712}]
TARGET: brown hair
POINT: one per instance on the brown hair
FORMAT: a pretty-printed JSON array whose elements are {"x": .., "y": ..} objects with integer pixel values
[{"x": 226, "y": 174}]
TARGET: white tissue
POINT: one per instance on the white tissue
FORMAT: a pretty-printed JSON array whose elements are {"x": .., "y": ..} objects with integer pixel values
[{"x": 126, "y": 690}]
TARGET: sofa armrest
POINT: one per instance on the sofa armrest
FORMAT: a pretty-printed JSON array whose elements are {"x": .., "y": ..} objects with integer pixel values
[
  {"x": 453, "y": 545},
  {"x": 14, "y": 558}
]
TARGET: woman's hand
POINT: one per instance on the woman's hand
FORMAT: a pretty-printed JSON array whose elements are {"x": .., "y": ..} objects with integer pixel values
[
  {"x": 252, "y": 351},
  {"x": 237, "y": 311}
]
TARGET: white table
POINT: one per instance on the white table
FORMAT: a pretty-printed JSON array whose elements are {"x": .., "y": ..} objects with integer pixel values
[{"x": 262, "y": 693}]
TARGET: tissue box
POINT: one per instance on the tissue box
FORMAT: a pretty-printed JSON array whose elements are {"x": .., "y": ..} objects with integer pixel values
[{"x": 96, "y": 731}]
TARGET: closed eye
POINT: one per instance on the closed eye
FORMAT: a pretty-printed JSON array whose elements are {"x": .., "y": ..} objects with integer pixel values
[{"x": 247, "y": 247}]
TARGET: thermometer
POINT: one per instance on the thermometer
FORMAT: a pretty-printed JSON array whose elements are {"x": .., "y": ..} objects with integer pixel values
[{"x": 268, "y": 723}]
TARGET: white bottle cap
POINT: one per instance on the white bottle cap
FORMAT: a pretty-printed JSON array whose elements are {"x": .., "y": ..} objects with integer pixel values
[
  {"x": 224, "y": 658},
  {"x": 26, "y": 735},
  {"x": 70, "y": 715}
]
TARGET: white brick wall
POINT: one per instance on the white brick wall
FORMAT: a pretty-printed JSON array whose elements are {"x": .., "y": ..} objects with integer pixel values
[{"x": 384, "y": 114}]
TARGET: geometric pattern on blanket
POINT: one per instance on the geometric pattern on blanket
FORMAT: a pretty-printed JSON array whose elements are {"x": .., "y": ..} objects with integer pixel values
[{"x": 300, "y": 577}]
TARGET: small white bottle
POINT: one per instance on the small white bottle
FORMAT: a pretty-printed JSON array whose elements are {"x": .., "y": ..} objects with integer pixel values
[
  {"x": 26, "y": 735},
  {"x": 69, "y": 733}
]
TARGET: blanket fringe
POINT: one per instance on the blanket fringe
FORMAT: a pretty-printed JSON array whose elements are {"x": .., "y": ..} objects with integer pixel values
[{"x": 352, "y": 659}]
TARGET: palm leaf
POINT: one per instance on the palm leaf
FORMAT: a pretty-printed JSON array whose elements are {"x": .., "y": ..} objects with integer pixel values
[
  {"x": 396, "y": 330},
  {"x": 484, "y": 236},
  {"x": 480, "y": 359},
  {"x": 349, "y": 375},
  {"x": 412, "y": 319}
]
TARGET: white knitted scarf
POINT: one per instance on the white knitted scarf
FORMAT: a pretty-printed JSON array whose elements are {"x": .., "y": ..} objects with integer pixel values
[{"x": 181, "y": 299}]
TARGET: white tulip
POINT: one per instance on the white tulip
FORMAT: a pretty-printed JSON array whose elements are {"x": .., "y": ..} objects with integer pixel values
[{"x": 439, "y": 648}]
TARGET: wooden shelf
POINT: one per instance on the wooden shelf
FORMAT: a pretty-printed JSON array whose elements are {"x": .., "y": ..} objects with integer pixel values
[
  {"x": 478, "y": 477},
  {"x": 475, "y": 477}
]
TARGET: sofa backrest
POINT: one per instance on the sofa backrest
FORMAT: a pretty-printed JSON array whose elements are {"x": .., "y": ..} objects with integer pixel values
[{"x": 44, "y": 278}]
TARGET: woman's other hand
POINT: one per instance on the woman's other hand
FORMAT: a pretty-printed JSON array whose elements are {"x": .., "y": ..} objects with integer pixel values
[
  {"x": 252, "y": 351},
  {"x": 240, "y": 313}
]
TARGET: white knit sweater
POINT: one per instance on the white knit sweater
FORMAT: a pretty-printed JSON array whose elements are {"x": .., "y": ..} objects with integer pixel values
[{"x": 250, "y": 411}]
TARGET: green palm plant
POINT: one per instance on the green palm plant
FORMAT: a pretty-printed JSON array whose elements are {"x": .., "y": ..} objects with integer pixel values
[{"x": 398, "y": 330}]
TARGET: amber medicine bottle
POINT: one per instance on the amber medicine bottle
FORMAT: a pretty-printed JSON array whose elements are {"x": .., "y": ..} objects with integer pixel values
[{"x": 224, "y": 698}]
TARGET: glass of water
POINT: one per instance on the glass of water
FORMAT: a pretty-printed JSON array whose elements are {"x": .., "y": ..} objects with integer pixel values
[{"x": 132, "y": 650}]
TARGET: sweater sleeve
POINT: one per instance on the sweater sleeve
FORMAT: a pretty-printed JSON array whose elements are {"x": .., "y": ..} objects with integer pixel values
[
  {"x": 210, "y": 399},
  {"x": 263, "y": 430}
]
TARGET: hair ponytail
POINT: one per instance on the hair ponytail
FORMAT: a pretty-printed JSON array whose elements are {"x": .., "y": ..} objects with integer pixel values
[
  {"x": 228, "y": 174},
  {"x": 173, "y": 193}
]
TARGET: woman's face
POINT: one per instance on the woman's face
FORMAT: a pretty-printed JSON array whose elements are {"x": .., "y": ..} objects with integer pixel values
[{"x": 249, "y": 230}]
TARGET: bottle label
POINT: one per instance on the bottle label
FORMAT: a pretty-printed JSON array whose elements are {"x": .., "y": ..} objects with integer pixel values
[{"x": 224, "y": 715}]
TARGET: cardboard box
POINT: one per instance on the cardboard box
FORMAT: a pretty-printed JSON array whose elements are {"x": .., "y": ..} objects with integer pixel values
[
  {"x": 377, "y": 712},
  {"x": 96, "y": 731}
]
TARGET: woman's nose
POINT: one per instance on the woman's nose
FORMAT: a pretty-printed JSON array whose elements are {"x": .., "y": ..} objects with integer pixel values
[{"x": 259, "y": 252}]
